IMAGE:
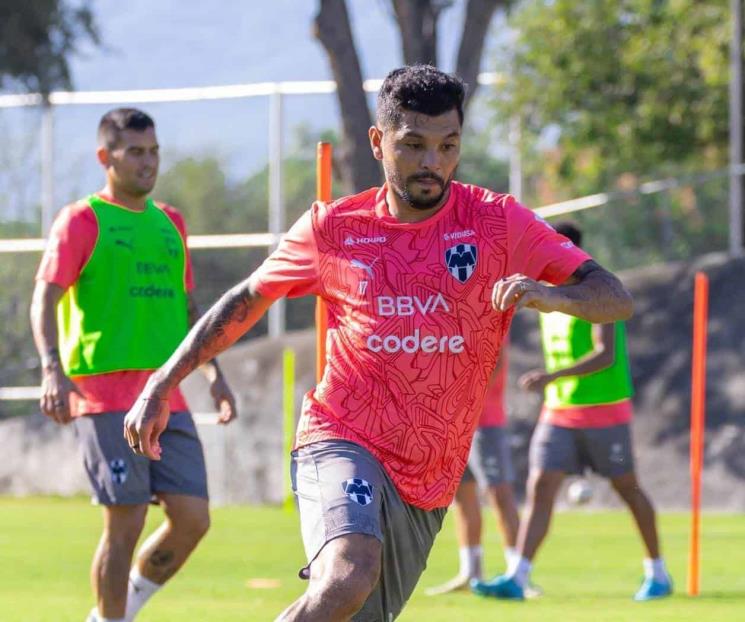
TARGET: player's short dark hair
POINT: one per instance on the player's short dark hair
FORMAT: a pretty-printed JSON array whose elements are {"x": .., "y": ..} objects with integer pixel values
[
  {"x": 114, "y": 122},
  {"x": 570, "y": 230},
  {"x": 419, "y": 88}
]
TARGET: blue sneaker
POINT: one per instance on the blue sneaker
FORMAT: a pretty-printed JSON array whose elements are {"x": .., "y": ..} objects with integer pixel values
[
  {"x": 503, "y": 587},
  {"x": 651, "y": 589}
]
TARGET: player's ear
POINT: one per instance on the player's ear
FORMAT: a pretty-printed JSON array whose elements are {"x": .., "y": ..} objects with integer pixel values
[
  {"x": 103, "y": 156},
  {"x": 376, "y": 137}
]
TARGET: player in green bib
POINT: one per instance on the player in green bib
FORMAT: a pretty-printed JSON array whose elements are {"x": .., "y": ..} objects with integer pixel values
[
  {"x": 584, "y": 424},
  {"x": 111, "y": 303}
]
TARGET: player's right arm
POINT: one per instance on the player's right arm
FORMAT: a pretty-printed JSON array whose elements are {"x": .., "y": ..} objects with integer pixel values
[
  {"x": 291, "y": 270},
  {"x": 221, "y": 326},
  {"x": 71, "y": 241},
  {"x": 55, "y": 385}
]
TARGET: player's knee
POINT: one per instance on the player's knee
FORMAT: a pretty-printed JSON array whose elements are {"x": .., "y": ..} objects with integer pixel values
[
  {"x": 350, "y": 574},
  {"x": 352, "y": 588},
  {"x": 503, "y": 495},
  {"x": 194, "y": 524},
  {"x": 626, "y": 485},
  {"x": 543, "y": 487},
  {"x": 123, "y": 527}
]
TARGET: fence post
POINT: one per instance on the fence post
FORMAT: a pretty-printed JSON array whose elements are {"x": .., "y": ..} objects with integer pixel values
[
  {"x": 47, "y": 167},
  {"x": 276, "y": 203},
  {"x": 736, "y": 137}
]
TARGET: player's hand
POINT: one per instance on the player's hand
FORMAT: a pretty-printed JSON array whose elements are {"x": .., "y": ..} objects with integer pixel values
[
  {"x": 535, "y": 380},
  {"x": 519, "y": 291},
  {"x": 224, "y": 400},
  {"x": 56, "y": 388},
  {"x": 145, "y": 422}
]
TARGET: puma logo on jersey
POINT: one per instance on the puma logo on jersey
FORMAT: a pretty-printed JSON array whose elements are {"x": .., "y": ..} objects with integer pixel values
[
  {"x": 363, "y": 266},
  {"x": 389, "y": 306}
]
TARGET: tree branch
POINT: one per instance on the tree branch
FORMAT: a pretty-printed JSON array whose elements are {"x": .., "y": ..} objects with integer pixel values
[
  {"x": 479, "y": 15},
  {"x": 417, "y": 21},
  {"x": 359, "y": 169}
]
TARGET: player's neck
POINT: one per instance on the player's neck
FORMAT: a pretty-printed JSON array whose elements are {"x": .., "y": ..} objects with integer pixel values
[
  {"x": 403, "y": 212},
  {"x": 120, "y": 197}
]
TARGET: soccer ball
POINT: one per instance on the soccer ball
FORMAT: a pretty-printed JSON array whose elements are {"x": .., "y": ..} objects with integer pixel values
[{"x": 579, "y": 492}]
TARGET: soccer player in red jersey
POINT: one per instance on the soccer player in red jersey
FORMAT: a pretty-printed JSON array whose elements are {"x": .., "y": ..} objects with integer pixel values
[
  {"x": 112, "y": 300},
  {"x": 421, "y": 278}
]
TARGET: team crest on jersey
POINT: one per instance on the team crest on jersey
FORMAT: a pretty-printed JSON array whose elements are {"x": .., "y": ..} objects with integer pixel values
[
  {"x": 118, "y": 470},
  {"x": 461, "y": 261},
  {"x": 358, "y": 490}
]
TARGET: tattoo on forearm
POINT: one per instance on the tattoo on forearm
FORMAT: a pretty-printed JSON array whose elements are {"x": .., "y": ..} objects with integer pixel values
[
  {"x": 219, "y": 328},
  {"x": 597, "y": 295}
]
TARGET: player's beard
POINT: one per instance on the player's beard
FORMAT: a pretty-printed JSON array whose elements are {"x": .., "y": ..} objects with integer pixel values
[{"x": 402, "y": 189}]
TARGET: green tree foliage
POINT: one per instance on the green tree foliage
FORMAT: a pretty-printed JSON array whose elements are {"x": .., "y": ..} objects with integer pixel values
[
  {"x": 17, "y": 353},
  {"x": 635, "y": 90},
  {"x": 38, "y": 36},
  {"x": 633, "y": 85}
]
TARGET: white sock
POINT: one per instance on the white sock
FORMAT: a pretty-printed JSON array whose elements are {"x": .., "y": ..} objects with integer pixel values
[
  {"x": 510, "y": 553},
  {"x": 656, "y": 569},
  {"x": 470, "y": 561},
  {"x": 139, "y": 591},
  {"x": 94, "y": 616},
  {"x": 519, "y": 569}
]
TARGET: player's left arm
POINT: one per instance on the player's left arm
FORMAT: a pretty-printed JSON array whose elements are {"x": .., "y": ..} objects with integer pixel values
[
  {"x": 591, "y": 293},
  {"x": 219, "y": 389}
]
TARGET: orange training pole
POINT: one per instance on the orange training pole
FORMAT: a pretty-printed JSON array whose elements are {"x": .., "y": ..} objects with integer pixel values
[
  {"x": 323, "y": 193},
  {"x": 698, "y": 417}
]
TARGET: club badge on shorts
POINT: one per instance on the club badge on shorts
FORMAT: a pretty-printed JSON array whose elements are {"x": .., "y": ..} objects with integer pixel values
[
  {"x": 358, "y": 490},
  {"x": 461, "y": 261},
  {"x": 118, "y": 470}
]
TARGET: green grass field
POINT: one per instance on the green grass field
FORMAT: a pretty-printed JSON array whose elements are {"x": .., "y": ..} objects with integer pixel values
[{"x": 589, "y": 568}]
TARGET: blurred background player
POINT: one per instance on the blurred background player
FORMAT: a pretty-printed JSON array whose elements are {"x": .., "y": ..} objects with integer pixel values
[
  {"x": 111, "y": 303},
  {"x": 585, "y": 422},
  {"x": 489, "y": 470}
]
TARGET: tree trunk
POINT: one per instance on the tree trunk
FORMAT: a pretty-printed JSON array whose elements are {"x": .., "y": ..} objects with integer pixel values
[
  {"x": 479, "y": 14},
  {"x": 359, "y": 170},
  {"x": 417, "y": 22}
]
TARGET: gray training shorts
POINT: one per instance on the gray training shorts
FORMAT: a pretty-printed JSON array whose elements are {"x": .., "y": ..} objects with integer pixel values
[
  {"x": 342, "y": 489},
  {"x": 607, "y": 451},
  {"x": 490, "y": 460},
  {"x": 119, "y": 477}
]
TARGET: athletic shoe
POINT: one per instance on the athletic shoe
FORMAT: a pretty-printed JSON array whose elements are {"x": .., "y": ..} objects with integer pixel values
[
  {"x": 503, "y": 587},
  {"x": 456, "y": 584},
  {"x": 532, "y": 591},
  {"x": 651, "y": 590}
]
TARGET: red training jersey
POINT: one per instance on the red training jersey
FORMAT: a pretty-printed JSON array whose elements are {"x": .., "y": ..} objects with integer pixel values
[
  {"x": 494, "y": 415},
  {"x": 412, "y": 337},
  {"x": 71, "y": 243}
]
